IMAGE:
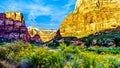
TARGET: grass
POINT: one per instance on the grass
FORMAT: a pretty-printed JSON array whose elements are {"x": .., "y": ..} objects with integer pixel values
[
  {"x": 108, "y": 50},
  {"x": 21, "y": 54}
]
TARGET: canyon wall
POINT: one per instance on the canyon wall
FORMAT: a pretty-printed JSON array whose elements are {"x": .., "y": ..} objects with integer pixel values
[
  {"x": 12, "y": 27},
  {"x": 91, "y": 16},
  {"x": 45, "y": 34}
]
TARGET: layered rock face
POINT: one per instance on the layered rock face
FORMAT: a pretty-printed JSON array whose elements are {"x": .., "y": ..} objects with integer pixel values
[
  {"x": 45, "y": 34},
  {"x": 91, "y": 16},
  {"x": 12, "y": 27},
  {"x": 15, "y": 16}
]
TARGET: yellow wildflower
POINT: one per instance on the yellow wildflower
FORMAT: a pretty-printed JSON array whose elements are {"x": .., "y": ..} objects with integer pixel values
[
  {"x": 66, "y": 66},
  {"x": 91, "y": 66}
]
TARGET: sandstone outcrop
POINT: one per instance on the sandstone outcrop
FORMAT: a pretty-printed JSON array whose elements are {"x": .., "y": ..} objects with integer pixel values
[
  {"x": 45, "y": 34},
  {"x": 91, "y": 16},
  {"x": 12, "y": 27},
  {"x": 15, "y": 16}
]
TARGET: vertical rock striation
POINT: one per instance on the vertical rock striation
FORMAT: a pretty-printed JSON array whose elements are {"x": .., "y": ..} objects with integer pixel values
[{"x": 91, "y": 16}]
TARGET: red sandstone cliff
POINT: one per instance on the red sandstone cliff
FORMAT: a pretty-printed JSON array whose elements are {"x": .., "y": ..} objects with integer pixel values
[{"x": 12, "y": 27}]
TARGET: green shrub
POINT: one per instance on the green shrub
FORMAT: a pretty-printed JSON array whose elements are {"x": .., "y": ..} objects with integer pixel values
[
  {"x": 67, "y": 42},
  {"x": 11, "y": 50},
  {"x": 27, "y": 55},
  {"x": 45, "y": 58}
]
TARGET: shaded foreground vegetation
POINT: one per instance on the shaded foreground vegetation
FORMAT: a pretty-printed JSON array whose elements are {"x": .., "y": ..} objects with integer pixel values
[{"x": 26, "y": 55}]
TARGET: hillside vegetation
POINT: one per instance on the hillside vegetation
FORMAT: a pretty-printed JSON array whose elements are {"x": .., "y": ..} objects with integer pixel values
[{"x": 25, "y": 55}]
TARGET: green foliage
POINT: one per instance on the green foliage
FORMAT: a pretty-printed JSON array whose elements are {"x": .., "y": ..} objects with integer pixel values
[
  {"x": 105, "y": 50},
  {"x": 62, "y": 57},
  {"x": 69, "y": 49},
  {"x": 67, "y": 42},
  {"x": 54, "y": 44},
  {"x": 62, "y": 46},
  {"x": 117, "y": 41},
  {"x": 14, "y": 51},
  {"x": 45, "y": 58},
  {"x": 104, "y": 38}
]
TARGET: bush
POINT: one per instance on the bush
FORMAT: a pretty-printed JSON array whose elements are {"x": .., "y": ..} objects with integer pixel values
[
  {"x": 45, "y": 58},
  {"x": 11, "y": 51},
  {"x": 67, "y": 42},
  {"x": 117, "y": 41},
  {"x": 25, "y": 55}
]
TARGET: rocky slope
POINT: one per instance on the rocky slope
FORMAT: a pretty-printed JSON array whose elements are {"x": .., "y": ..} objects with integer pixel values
[
  {"x": 91, "y": 16},
  {"x": 45, "y": 34},
  {"x": 12, "y": 27},
  {"x": 104, "y": 38}
]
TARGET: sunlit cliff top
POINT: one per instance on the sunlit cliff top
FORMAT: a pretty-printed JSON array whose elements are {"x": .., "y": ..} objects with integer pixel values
[
  {"x": 15, "y": 16},
  {"x": 91, "y": 16}
]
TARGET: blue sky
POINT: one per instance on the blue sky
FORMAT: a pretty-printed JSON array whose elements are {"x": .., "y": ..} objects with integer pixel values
[{"x": 40, "y": 13}]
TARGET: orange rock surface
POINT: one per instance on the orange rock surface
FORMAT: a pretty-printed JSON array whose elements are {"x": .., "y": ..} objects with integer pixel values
[
  {"x": 91, "y": 16},
  {"x": 45, "y": 34},
  {"x": 15, "y": 16}
]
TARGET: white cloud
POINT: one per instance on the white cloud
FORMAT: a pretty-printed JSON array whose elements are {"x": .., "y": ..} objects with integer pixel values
[
  {"x": 60, "y": 14},
  {"x": 50, "y": 24},
  {"x": 37, "y": 8},
  {"x": 70, "y": 3}
]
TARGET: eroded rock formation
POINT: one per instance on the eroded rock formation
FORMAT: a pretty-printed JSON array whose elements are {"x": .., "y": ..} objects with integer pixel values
[
  {"x": 45, "y": 34},
  {"x": 12, "y": 27},
  {"x": 91, "y": 16}
]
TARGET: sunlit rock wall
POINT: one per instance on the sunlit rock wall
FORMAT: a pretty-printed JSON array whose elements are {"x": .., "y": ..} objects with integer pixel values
[
  {"x": 15, "y": 16},
  {"x": 45, "y": 34},
  {"x": 91, "y": 16},
  {"x": 12, "y": 27}
]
